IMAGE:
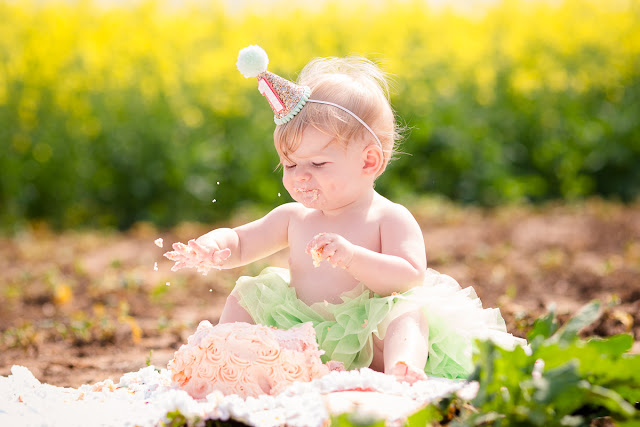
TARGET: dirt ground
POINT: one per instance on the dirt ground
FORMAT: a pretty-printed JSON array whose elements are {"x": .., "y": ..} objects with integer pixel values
[{"x": 81, "y": 306}]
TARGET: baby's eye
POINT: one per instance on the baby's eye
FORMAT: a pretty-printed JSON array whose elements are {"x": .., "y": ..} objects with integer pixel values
[
  {"x": 289, "y": 166},
  {"x": 318, "y": 165}
]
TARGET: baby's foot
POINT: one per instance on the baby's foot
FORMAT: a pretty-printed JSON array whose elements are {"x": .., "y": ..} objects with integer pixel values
[
  {"x": 334, "y": 365},
  {"x": 404, "y": 372}
]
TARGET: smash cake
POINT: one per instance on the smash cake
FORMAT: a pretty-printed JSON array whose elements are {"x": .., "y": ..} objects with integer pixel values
[{"x": 246, "y": 360}]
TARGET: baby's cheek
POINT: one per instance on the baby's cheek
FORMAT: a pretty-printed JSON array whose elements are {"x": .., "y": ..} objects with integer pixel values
[
  {"x": 336, "y": 187},
  {"x": 289, "y": 187},
  {"x": 286, "y": 182}
]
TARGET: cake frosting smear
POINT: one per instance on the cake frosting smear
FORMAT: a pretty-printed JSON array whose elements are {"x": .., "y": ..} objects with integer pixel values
[{"x": 247, "y": 360}]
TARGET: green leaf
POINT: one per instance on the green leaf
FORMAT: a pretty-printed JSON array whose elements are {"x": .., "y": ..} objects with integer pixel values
[
  {"x": 488, "y": 418},
  {"x": 355, "y": 420},
  {"x": 586, "y": 316},
  {"x": 628, "y": 423},
  {"x": 428, "y": 415},
  {"x": 545, "y": 326},
  {"x": 611, "y": 400},
  {"x": 175, "y": 419},
  {"x": 483, "y": 373},
  {"x": 555, "y": 382},
  {"x": 615, "y": 345}
]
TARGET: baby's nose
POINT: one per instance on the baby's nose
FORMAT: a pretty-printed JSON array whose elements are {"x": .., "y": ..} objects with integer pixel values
[{"x": 302, "y": 174}]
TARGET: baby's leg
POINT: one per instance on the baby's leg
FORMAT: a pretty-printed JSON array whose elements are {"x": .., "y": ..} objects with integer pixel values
[
  {"x": 406, "y": 347},
  {"x": 234, "y": 312},
  {"x": 377, "y": 364}
]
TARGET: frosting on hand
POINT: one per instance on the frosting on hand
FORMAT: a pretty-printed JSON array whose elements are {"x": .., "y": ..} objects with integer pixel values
[{"x": 195, "y": 255}]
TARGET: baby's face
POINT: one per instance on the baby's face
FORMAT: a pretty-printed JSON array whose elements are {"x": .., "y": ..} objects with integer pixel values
[{"x": 322, "y": 174}]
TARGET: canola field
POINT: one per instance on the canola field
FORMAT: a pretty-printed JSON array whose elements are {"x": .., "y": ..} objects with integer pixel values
[{"x": 115, "y": 114}]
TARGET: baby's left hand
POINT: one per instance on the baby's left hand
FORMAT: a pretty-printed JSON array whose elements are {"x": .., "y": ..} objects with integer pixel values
[{"x": 332, "y": 247}]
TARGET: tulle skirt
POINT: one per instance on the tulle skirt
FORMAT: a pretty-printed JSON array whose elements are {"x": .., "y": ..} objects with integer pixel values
[{"x": 345, "y": 331}]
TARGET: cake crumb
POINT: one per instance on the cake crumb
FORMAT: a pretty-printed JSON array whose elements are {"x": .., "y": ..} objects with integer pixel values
[{"x": 316, "y": 255}]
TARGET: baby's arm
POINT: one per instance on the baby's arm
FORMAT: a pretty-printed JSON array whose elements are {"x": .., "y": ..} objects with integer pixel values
[
  {"x": 228, "y": 248},
  {"x": 252, "y": 241},
  {"x": 401, "y": 264}
]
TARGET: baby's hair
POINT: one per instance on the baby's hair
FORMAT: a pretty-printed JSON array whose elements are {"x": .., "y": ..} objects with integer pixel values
[{"x": 355, "y": 83}]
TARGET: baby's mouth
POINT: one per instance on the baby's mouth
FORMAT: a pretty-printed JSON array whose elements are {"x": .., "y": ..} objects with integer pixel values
[{"x": 313, "y": 193}]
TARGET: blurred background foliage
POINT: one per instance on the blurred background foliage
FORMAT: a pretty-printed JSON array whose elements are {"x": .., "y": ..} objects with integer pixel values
[{"x": 112, "y": 114}]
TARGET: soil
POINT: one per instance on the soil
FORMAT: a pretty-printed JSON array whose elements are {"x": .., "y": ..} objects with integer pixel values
[{"x": 78, "y": 307}]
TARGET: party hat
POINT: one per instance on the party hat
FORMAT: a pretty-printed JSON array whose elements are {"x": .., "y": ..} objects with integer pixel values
[{"x": 285, "y": 97}]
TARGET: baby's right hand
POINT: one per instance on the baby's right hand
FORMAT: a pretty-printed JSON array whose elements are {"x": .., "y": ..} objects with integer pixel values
[{"x": 198, "y": 256}]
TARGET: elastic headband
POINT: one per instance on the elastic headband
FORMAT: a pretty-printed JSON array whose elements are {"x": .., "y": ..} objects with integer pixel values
[{"x": 354, "y": 115}]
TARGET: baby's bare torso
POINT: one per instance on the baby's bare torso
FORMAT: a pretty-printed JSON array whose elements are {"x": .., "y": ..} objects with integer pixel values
[{"x": 327, "y": 283}]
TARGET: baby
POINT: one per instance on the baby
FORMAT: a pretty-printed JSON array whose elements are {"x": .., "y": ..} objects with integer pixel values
[{"x": 357, "y": 264}]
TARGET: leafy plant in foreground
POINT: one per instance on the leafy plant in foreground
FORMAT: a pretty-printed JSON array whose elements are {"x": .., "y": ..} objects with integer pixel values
[{"x": 561, "y": 380}]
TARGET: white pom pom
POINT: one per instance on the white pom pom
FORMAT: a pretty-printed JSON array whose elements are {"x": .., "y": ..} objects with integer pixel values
[{"x": 252, "y": 60}]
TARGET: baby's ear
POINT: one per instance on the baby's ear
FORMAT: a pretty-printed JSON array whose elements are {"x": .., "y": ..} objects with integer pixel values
[{"x": 373, "y": 160}]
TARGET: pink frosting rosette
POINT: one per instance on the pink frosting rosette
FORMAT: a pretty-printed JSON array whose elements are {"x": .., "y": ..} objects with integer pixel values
[
  {"x": 230, "y": 373},
  {"x": 295, "y": 372},
  {"x": 248, "y": 360},
  {"x": 213, "y": 349},
  {"x": 275, "y": 373},
  {"x": 268, "y": 355},
  {"x": 207, "y": 371},
  {"x": 240, "y": 348},
  {"x": 181, "y": 369}
]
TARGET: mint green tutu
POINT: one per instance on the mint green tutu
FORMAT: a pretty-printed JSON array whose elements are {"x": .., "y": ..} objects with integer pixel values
[{"x": 345, "y": 331}]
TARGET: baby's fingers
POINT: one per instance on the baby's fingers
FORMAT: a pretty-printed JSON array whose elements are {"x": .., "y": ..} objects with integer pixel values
[
  {"x": 328, "y": 251},
  {"x": 221, "y": 256},
  {"x": 319, "y": 241},
  {"x": 173, "y": 255},
  {"x": 178, "y": 265},
  {"x": 201, "y": 251},
  {"x": 334, "y": 255},
  {"x": 181, "y": 248},
  {"x": 339, "y": 253}
]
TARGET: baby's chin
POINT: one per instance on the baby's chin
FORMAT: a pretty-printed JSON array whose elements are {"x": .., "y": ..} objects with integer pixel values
[
  {"x": 308, "y": 198},
  {"x": 311, "y": 204}
]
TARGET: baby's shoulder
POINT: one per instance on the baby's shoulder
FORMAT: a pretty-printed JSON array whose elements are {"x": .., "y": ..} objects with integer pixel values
[
  {"x": 293, "y": 210},
  {"x": 386, "y": 210},
  {"x": 395, "y": 221}
]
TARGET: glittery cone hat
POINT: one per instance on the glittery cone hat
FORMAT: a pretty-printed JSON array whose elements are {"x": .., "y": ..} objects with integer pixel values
[{"x": 285, "y": 97}]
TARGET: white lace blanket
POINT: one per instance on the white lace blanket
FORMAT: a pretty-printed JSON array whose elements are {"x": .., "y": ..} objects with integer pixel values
[{"x": 144, "y": 398}]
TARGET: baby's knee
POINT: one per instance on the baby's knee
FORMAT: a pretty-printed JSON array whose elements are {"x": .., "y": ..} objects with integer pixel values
[
  {"x": 234, "y": 312},
  {"x": 411, "y": 320}
]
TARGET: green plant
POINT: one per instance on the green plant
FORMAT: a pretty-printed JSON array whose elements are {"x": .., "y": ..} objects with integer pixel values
[
  {"x": 562, "y": 380},
  {"x": 355, "y": 420}
]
